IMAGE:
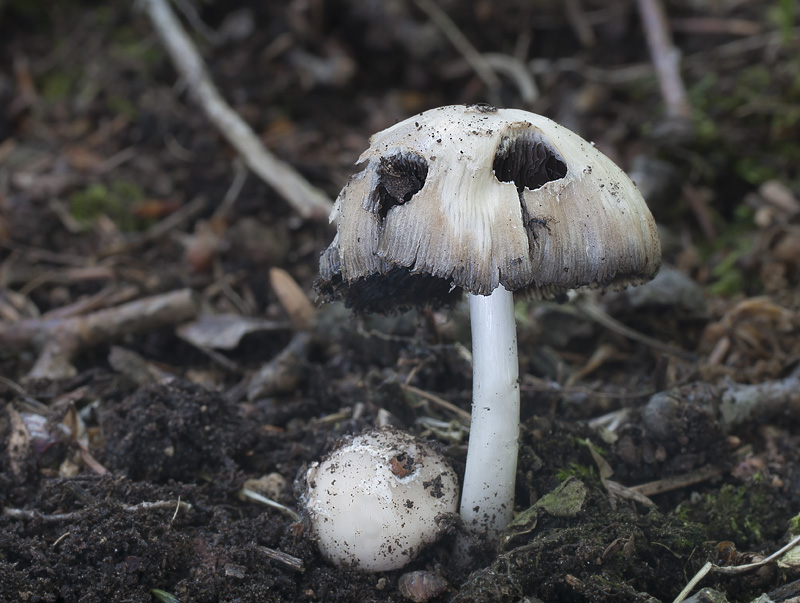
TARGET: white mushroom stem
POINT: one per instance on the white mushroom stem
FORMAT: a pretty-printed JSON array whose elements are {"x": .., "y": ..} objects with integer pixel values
[{"x": 487, "y": 497}]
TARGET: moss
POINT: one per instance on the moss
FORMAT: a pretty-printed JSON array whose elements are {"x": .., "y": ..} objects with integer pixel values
[
  {"x": 732, "y": 246},
  {"x": 784, "y": 14},
  {"x": 57, "y": 86},
  {"x": 115, "y": 202},
  {"x": 612, "y": 550},
  {"x": 745, "y": 514},
  {"x": 794, "y": 525},
  {"x": 119, "y": 105},
  {"x": 750, "y": 122}
]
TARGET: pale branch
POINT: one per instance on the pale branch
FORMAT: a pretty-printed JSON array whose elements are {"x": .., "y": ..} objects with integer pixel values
[
  {"x": 307, "y": 200},
  {"x": 59, "y": 340},
  {"x": 666, "y": 59}
]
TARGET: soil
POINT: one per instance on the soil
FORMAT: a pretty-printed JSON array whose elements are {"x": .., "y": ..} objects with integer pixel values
[{"x": 659, "y": 424}]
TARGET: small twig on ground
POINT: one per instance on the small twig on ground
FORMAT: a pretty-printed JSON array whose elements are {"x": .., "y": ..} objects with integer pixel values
[
  {"x": 59, "y": 340},
  {"x": 110, "y": 296},
  {"x": 190, "y": 13},
  {"x": 89, "y": 460},
  {"x": 239, "y": 178},
  {"x": 284, "y": 372},
  {"x": 464, "y": 46},
  {"x": 533, "y": 383},
  {"x": 698, "y": 202},
  {"x": 517, "y": 71},
  {"x": 307, "y": 200},
  {"x": 462, "y": 414},
  {"x": 743, "y": 403},
  {"x": 740, "y": 569},
  {"x": 612, "y": 77},
  {"x": 136, "y": 368},
  {"x": 677, "y": 482},
  {"x": 732, "y": 570},
  {"x": 666, "y": 59},
  {"x": 252, "y": 495},
  {"x": 600, "y": 317},
  {"x": 183, "y": 215},
  {"x": 580, "y": 25},
  {"x": 159, "y": 504},
  {"x": 73, "y": 515},
  {"x": 694, "y": 582},
  {"x": 716, "y": 25},
  {"x": 285, "y": 559},
  {"x": 699, "y": 60}
]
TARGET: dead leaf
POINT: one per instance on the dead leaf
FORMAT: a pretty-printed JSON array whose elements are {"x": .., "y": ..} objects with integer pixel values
[
  {"x": 19, "y": 444},
  {"x": 293, "y": 299},
  {"x": 224, "y": 331}
]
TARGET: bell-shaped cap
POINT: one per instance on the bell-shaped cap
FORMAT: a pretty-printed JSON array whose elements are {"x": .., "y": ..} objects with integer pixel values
[{"x": 472, "y": 197}]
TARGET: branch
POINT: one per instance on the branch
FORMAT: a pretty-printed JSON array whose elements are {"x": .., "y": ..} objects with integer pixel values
[
  {"x": 307, "y": 200},
  {"x": 59, "y": 340},
  {"x": 666, "y": 60}
]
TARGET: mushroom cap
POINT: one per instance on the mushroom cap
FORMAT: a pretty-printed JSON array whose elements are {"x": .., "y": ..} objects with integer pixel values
[{"x": 474, "y": 197}]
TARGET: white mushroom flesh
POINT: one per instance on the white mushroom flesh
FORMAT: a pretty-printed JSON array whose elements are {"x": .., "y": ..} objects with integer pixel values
[{"x": 377, "y": 500}]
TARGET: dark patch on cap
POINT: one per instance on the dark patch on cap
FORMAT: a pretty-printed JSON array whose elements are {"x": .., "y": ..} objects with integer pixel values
[
  {"x": 528, "y": 161},
  {"x": 400, "y": 177}
]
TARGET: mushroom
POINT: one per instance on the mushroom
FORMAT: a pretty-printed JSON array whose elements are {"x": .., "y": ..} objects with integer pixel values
[
  {"x": 375, "y": 502},
  {"x": 488, "y": 201}
]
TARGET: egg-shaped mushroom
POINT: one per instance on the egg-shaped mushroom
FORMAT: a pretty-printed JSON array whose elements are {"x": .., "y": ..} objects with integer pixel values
[{"x": 378, "y": 499}]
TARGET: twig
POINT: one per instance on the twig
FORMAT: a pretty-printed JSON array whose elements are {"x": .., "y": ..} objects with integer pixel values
[
  {"x": 239, "y": 178},
  {"x": 693, "y": 582},
  {"x": 740, "y": 569},
  {"x": 464, "y": 46},
  {"x": 284, "y": 372},
  {"x": 59, "y": 340},
  {"x": 73, "y": 515},
  {"x": 159, "y": 504},
  {"x": 631, "y": 73},
  {"x": 284, "y": 559},
  {"x": 734, "y": 569},
  {"x": 666, "y": 59},
  {"x": 516, "y": 70},
  {"x": 614, "y": 77},
  {"x": 190, "y": 13},
  {"x": 678, "y": 481},
  {"x": 183, "y": 215},
  {"x": 65, "y": 276},
  {"x": 699, "y": 60},
  {"x": 117, "y": 160},
  {"x": 251, "y": 494},
  {"x": 602, "y": 318},
  {"x": 579, "y": 23},
  {"x": 307, "y": 200},
  {"x": 740, "y": 404},
  {"x": 714, "y": 25},
  {"x": 462, "y": 414},
  {"x": 110, "y": 296},
  {"x": 698, "y": 203}
]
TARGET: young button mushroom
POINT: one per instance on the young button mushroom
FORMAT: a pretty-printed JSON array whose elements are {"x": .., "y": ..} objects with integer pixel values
[
  {"x": 375, "y": 501},
  {"x": 490, "y": 201}
]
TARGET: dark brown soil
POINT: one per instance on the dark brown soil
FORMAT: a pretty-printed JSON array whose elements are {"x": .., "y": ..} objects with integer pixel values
[{"x": 123, "y": 479}]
